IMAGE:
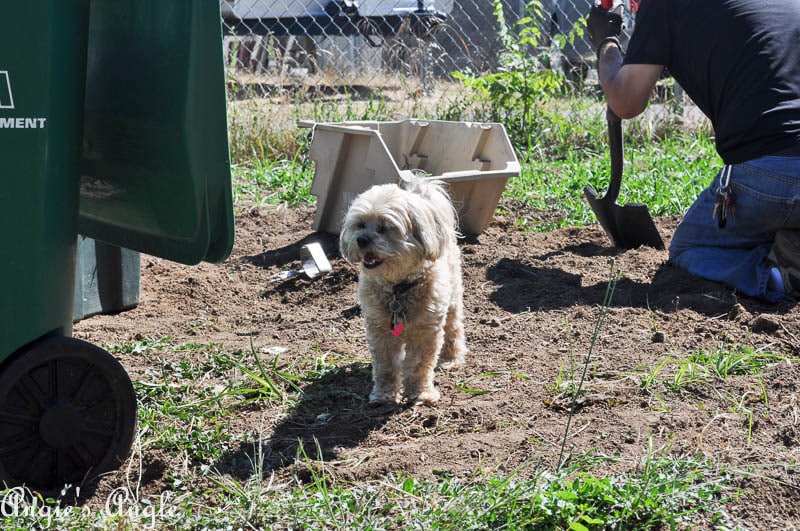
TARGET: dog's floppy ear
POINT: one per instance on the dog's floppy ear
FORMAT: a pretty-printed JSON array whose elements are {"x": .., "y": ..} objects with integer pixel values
[
  {"x": 432, "y": 215},
  {"x": 428, "y": 228}
]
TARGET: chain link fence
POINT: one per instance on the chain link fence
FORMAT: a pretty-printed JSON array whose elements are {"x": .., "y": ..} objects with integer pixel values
[{"x": 361, "y": 41}]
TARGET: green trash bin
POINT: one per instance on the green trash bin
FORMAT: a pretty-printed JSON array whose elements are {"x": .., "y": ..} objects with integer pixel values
[
  {"x": 155, "y": 175},
  {"x": 112, "y": 126},
  {"x": 41, "y": 101},
  {"x": 66, "y": 407}
]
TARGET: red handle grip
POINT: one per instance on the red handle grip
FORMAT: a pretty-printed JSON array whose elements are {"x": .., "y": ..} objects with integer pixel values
[{"x": 606, "y": 4}]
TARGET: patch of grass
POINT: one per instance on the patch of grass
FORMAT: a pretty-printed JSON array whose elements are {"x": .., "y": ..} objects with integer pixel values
[
  {"x": 188, "y": 399},
  {"x": 140, "y": 346},
  {"x": 725, "y": 362},
  {"x": 659, "y": 175},
  {"x": 263, "y": 382},
  {"x": 664, "y": 491},
  {"x": 186, "y": 404},
  {"x": 273, "y": 183},
  {"x": 265, "y": 130},
  {"x": 669, "y": 174},
  {"x": 702, "y": 366}
]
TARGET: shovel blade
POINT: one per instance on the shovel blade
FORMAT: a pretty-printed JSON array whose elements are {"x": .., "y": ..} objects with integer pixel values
[{"x": 629, "y": 226}]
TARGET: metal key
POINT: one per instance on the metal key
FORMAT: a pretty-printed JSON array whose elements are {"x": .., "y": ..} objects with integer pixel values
[
  {"x": 723, "y": 198},
  {"x": 722, "y": 206}
]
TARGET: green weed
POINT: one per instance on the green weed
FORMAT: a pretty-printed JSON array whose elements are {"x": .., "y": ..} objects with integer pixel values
[
  {"x": 702, "y": 366},
  {"x": 613, "y": 277},
  {"x": 515, "y": 93}
]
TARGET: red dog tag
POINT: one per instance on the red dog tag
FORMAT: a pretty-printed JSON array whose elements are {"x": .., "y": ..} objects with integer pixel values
[{"x": 397, "y": 328}]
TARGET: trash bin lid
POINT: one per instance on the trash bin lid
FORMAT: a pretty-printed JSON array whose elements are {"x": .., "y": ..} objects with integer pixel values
[{"x": 155, "y": 172}]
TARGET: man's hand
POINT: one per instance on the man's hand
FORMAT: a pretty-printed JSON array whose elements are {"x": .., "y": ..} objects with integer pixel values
[{"x": 603, "y": 24}]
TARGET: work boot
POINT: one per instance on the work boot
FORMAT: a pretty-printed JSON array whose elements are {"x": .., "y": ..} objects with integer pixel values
[{"x": 785, "y": 255}]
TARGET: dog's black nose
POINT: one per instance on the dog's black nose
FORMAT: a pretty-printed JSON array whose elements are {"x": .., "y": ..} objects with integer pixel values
[{"x": 363, "y": 241}]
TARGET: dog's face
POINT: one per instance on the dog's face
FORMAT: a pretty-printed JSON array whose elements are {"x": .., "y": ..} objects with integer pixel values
[{"x": 391, "y": 232}]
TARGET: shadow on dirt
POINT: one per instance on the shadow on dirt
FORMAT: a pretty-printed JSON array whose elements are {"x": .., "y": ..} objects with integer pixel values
[
  {"x": 522, "y": 287},
  {"x": 332, "y": 413},
  {"x": 591, "y": 249},
  {"x": 284, "y": 256}
]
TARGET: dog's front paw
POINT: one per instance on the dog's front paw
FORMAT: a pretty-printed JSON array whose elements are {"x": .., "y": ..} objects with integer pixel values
[
  {"x": 380, "y": 397},
  {"x": 427, "y": 398}
]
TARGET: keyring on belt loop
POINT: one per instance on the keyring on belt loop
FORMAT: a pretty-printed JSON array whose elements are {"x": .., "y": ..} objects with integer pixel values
[{"x": 725, "y": 177}]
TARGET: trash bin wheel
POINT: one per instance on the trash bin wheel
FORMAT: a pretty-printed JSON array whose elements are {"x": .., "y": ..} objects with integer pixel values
[{"x": 67, "y": 414}]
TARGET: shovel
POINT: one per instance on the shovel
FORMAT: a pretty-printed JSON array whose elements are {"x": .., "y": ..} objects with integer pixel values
[
  {"x": 313, "y": 260},
  {"x": 628, "y": 226}
]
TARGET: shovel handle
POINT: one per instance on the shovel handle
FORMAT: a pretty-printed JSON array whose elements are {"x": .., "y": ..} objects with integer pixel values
[{"x": 615, "y": 146}]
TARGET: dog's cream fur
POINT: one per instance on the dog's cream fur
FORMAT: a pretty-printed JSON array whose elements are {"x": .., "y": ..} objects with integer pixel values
[{"x": 404, "y": 238}]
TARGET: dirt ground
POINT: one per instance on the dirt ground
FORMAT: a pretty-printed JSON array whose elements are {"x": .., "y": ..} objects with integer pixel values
[{"x": 532, "y": 303}]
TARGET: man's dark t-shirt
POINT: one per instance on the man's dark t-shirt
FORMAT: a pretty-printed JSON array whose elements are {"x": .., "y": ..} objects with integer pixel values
[{"x": 739, "y": 61}]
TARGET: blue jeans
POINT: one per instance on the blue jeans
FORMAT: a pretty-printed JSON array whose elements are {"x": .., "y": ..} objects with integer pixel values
[{"x": 766, "y": 197}]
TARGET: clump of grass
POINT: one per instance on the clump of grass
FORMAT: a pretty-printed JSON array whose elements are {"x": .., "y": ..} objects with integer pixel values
[{"x": 737, "y": 360}]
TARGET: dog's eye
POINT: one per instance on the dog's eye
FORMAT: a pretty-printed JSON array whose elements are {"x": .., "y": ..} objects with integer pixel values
[
  {"x": 381, "y": 229},
  {"x": 361, "y": 226}
]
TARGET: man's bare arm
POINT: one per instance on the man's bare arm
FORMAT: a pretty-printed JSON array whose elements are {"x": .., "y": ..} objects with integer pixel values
[{"x": 627, "y": 87}]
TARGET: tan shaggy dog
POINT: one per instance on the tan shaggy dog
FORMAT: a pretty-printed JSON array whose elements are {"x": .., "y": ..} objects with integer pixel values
[{"x": 410, "y": 287}]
